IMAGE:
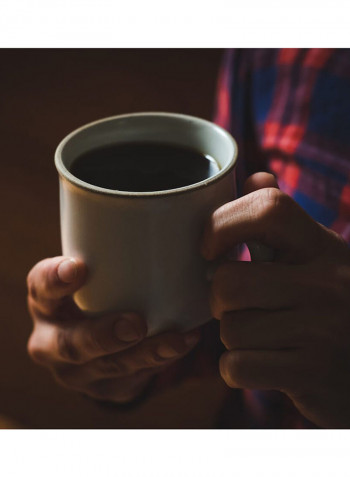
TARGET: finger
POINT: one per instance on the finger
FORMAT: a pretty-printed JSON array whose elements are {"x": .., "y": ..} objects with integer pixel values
[
  {"x": 121, "y": 390},
  {"x": 259, "y": 180},
  {"x": 268, "y": 216},
  {"x": 259, "y": 252},
  {"x": 274, "y": 370},
  {"x": 52, "y": 280},
  {"x": 85, "y": 340},
  {"x": 160, "y": 348},
  {"x": 245, "y": 285},
  {"x": 156, "y": 352},
  {"x": 260, "y": 329},
  {"x": 64, "y": 311},
  {"x": 118, "y": 390}
]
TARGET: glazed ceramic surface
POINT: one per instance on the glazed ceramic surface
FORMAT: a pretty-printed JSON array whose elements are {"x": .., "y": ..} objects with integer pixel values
[{"x": 142, "y": 249}]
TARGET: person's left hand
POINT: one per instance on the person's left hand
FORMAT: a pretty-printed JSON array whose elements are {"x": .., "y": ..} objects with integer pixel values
[{"x": 286, "y": 324}]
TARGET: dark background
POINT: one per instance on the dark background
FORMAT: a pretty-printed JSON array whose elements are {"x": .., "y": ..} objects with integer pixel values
[{"x": 44, "y": 95}]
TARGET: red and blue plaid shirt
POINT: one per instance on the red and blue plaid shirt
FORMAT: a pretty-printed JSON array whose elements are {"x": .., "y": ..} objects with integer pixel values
[{"x": 289, "y": 111}]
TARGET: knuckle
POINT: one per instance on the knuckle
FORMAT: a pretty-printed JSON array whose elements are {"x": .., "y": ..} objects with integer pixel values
[
  {"x": 49, "y": 279},
  {"x": 36, "y": 353},
  {"x": 94, "y": 341},
  {"x": 110, "y": 366},
  {"x": 230, "y": 332},
  {"x": 273, "y": 203},
  {"x": 32, "y": 308},
  {"x": 234, "y": 370},
  {"x": 31, "y": 285},
  {"x": 66, "y": 349},
  {"x": 40, "y": 309}
]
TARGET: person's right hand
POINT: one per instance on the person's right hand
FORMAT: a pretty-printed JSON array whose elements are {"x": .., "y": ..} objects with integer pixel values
[{"x": 108, "y": 358}]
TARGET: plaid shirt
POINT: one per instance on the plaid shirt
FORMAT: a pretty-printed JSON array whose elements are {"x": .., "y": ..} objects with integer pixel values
[{"x": 289, "y": 111}]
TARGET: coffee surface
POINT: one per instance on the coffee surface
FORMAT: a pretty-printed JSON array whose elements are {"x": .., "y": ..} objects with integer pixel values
[{"x": 143, "y": 167}]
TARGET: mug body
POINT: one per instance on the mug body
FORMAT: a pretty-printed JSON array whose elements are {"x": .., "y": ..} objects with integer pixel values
[{"x": 142, "y": 248}]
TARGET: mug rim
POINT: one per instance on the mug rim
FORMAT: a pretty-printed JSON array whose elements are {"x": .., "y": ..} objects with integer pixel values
[{"x": 67, "y": 175}]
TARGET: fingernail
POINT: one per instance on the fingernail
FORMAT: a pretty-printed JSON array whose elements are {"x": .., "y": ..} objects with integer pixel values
[
  {"x": 166, "y": 351},
  {"x": 126, "y": 331},
  {"x": 67, "y": 270},
  {"x": 192, "y": 339}
]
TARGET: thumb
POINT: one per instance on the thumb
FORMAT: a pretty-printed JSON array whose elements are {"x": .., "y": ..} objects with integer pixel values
[{"x": 51, "y": 280}]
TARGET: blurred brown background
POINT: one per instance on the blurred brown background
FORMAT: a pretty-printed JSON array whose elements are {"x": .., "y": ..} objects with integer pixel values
[{"x": 44, "y": 95}]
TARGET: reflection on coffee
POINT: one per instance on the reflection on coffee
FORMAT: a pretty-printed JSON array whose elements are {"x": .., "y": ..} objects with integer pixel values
[{"x": 143, "y": 167}]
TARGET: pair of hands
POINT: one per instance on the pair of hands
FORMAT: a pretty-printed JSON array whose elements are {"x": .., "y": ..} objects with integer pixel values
[{"x": 286, "y": 324}]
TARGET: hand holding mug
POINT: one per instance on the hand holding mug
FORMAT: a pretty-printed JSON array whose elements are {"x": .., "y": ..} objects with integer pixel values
[
  {"x": 286, "y": 324},
  {"x": 108, "y": 358}
]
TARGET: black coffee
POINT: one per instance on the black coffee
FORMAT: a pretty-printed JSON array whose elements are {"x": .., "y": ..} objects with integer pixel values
[{"x": 143, "y": 167}]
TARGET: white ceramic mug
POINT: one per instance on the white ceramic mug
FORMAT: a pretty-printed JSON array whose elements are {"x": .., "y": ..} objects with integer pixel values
[{"x": 142, "y": 248}]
